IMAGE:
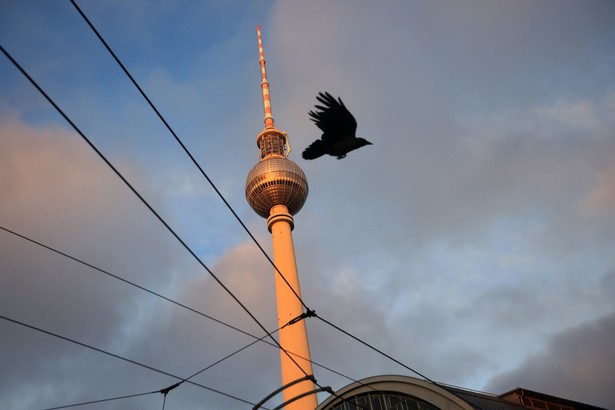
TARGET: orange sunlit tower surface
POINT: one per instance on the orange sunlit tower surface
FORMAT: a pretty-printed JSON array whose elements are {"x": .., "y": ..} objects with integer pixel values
[{"x": 276, "y": 188}]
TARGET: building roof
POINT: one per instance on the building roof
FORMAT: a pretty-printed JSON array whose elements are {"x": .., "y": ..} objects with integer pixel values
[
  {"x": 538, "y": 400},
  {"x": 450, "y": 397},
  {"x": 483, "y": 401}
]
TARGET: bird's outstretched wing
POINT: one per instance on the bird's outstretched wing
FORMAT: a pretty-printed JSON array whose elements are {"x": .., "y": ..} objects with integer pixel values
[{"x": 334, "y": 119}]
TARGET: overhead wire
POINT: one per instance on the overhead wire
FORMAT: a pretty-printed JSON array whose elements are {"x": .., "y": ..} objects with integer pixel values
[
  {"x": 117, "y": 356},
  {"x": 183, "y": 146},
  {"x": 156, "y": 294},
  {"x": 309, "y": 312},
  {"x": 163, "y": 391},
  {"x": 195, "y": 162},
  {"x": 374, "y": 348},
  {"x": 179, "y": 141},
  {"x": 85, "y": 403},
  {"x": 131, "y": 283},
  {"x": 144, "y": 201},
  {"x": 256, "y": 339},
  {"x": 117, "y": 277},
  {"x": 440, "y": 385}
]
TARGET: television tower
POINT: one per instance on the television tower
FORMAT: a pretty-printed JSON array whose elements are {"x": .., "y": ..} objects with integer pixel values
[{"x": 276, "y": 188}]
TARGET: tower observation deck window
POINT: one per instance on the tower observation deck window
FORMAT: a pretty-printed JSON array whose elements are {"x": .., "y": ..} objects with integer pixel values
[{"x": 272, "y": 143}]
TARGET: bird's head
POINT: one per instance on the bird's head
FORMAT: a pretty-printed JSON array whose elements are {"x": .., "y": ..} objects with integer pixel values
[{"x": 362, "y": 141}]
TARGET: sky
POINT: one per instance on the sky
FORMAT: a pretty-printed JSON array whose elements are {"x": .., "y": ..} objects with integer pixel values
[{"x": 473, "y": 241}]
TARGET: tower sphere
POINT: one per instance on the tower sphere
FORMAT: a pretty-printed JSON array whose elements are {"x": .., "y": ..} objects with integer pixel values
[{"x": 276, "y": 181}]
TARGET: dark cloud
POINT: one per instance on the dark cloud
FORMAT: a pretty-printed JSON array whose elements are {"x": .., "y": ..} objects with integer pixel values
[{"x": 578, "y": 363}]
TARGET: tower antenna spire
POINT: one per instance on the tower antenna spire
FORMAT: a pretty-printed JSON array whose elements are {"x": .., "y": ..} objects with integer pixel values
[{"x": 264, "y": 82}]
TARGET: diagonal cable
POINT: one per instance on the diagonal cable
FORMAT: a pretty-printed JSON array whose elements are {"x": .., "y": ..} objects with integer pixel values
[
  {"x": 89, "y": 265},
  {"x": 38, "y": 329},
  {"x": 256, "y": 339},
  {"x": 215, "y": 189},
  {"x": 440, "y": 385},
  {"x": 85, "y": 403},
  {"x": 375, "y": 349},
  {"x": 114, "y": 276},
  {"x": 129, "y": 185},
  {"x": 179, "y": 141}
]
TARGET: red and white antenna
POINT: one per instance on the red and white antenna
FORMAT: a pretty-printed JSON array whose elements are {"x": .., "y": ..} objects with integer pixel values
[
  {"x": 270, "y": 140},
  {"x": 264, "y": 82}
]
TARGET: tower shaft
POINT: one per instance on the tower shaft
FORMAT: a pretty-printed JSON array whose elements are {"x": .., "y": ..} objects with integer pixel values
[
  {"x": 276, "y": 188},
  {"x": 293, "y": 338}
]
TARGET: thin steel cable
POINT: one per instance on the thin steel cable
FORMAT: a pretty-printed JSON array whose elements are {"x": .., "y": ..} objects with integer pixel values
[
  {"x": 375, "y": 349},
  {"x": 166, "y": 391},
  {"x": 389, "y": 357},
  {"x": 114, "y": 276},
  {"x": 219, "y": 194},
  {"x": 179, "y": 141},
  {"x": 257, "y": 339},
  {"x": 229, "y": 356},
  {"x": 85, "y": 403},
  {"x": 101, "y": 155},
  {"x": 96, "y": 349}
]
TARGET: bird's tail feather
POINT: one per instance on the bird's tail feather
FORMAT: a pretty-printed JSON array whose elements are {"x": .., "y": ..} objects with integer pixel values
[{"x": 315, "y": 150}]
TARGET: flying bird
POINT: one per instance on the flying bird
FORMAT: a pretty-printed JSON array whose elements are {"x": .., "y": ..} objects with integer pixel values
[{"x": 338, "y": 129}]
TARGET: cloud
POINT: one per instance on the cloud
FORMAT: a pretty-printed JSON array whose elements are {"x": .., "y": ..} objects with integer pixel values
[
  {"x": 461, "y": 214},
  {"x": 76, "y": 206},
  {"x": 488, "y": 148},
  {"x": 479, "y": 224},
  {"x": 578, "y": 363},
  {"x": 600, "y": 202}
]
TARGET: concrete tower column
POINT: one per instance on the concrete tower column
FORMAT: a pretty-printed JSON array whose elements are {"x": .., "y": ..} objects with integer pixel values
[{"x": 293, "y": 338}]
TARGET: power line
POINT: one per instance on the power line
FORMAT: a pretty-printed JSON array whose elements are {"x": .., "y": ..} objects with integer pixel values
[
  {"x": 179, "y": 141},
  {"x": 387, "y": 356},
  {"x": 309, "y": 312},
  {"x": 261, "y": 339},
  {"x": 114, "y": 276},
  {"x": 215, "y": 189},
  {"x": 374, "y": 349},
  {"x": 256, "y": 339},
  {"x": 312, "y": 313},
  {"x": 184, "y": 244},
  {"x": 85, "y": 403},
  {"x": 99, "y": 350}
]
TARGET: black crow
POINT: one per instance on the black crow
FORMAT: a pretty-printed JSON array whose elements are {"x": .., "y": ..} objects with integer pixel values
[{"x": 338, "y": 129}]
